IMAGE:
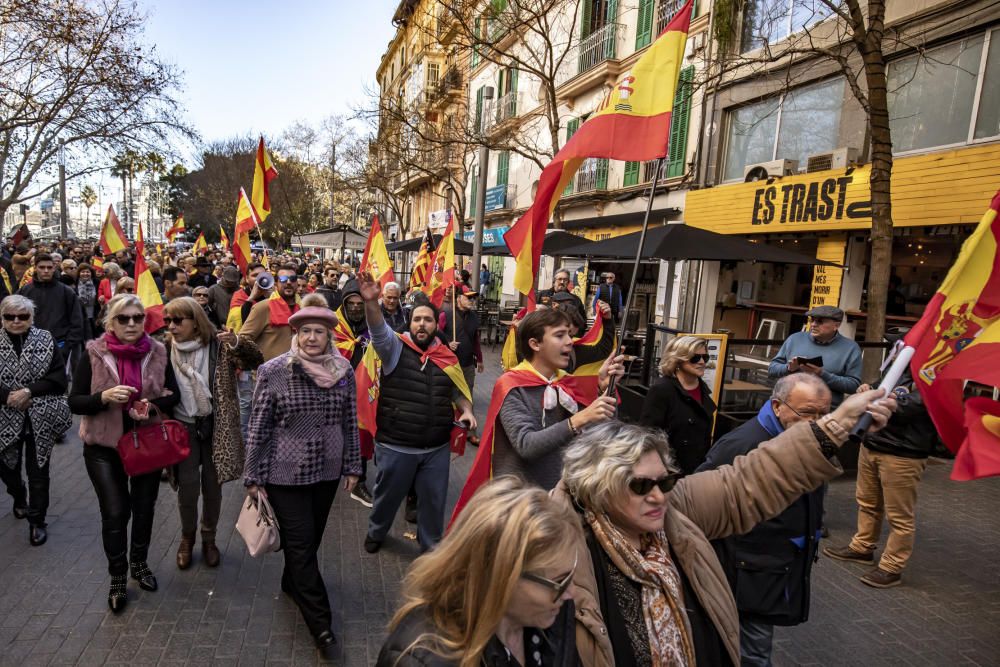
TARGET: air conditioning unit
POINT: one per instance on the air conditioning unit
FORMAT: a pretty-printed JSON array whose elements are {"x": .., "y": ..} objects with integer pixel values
[
  {"x": 840, "y": 158},
  {"x": 765, "y": 170}
]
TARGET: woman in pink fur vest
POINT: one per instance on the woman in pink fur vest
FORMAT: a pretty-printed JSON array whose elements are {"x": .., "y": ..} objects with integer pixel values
[{"x": 122, "y": 368}]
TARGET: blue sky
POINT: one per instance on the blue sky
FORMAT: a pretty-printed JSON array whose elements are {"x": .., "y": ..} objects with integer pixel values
[{"x": 257, "y": 66}]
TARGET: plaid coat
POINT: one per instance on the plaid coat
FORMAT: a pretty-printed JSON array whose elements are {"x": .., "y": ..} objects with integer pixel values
[{"x": 300, "y": 433}]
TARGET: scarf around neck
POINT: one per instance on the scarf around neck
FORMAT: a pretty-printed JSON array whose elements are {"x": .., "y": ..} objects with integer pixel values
[
  {"x": 662, "y": 599},
  {"x": 190, "y": 360},
  {"x": 554, "y": 393},
  {"x": 279, "y": 309},
  {"x": 325, "y": 369},
  {"x": 128, "y": 357}
]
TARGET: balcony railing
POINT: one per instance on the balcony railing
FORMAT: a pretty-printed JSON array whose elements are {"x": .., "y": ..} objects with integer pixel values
[
  {"x": 649, "y": 170},
  {"x": 593, "y": 175},
  {"x": 601, "y": 45},
  {"x": 505, "y": 107},
  {"x": 451, "y": 81},
  {"x": 665, "y": 11}
]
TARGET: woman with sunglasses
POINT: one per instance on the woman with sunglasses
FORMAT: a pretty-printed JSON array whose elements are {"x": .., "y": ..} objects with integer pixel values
[
  {"x": 680, "y": 403},
  {"x": 650, "y": 589},
  {"x": 33, "y": 410},
  {"x": 122, "y": 370},
  {"x": 497, "y": 591},
  {"x": 204, "y": 363}
]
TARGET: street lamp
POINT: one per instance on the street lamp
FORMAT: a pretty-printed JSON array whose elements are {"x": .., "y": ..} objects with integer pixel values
[{"x": 484, "y": 158}]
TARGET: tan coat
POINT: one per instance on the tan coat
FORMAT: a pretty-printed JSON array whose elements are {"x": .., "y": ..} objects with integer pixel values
[
  {"x": 707, "y": 506},
  {"x": 271, "y": 341}
]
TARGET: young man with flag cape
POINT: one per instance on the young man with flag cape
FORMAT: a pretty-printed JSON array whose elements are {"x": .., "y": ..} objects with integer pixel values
[
  {"x": 537, "y": 408},
  {"x": 420, "y": 386}
]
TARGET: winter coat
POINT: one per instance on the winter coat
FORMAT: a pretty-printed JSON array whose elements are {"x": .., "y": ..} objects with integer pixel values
[
  {"x": 57, "y": 310},
  {"x": 687, "y": 423},
  {"x": 910, "y": 432},
  {"x": 707, "y": 506}
]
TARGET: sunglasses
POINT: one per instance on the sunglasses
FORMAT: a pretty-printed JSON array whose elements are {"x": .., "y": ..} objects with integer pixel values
[
  {"x": 10, "y": 317},
  {"x": 285, "y": 279},
  {"x": 697, "y": 358},
  {"x": 641, "y": 486},
  {"x": 175, "y": 320},
  {"x": 130, "y": 319},
  {"x": 558, "y": 587}
]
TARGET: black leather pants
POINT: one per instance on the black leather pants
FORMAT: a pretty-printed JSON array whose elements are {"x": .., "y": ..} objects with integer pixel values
[{"x": 122, "y": 497}]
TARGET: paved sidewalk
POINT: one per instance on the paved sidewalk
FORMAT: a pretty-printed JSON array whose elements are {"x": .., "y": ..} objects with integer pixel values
[{"x": 53, "y": 608}]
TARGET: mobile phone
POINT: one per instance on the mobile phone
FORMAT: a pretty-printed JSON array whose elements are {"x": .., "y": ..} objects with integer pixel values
[
  {"x": 462, "y": 424},
  {"x": 141, "y": 408}
]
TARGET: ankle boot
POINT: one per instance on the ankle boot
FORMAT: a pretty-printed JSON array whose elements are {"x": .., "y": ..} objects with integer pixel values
[
  {"x": 184, "y": 551},
  {"x": 210, "y": 553},
  {"x": 118, "y": 596},
  {"x": 142, "y": 574}
]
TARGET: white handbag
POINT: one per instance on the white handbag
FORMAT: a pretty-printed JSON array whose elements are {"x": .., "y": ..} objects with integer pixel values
[{"x": 258, "y": 526}]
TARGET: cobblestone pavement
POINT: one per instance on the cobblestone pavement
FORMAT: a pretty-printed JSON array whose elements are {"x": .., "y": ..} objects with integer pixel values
[{"x": 53, "y": 608}]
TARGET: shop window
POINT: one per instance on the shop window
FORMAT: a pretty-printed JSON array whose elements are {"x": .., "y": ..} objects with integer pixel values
[
  {"x": 946, "y": 96},
  {"x": 793, "y": 125},
  {"x": 770, "y": 21}
]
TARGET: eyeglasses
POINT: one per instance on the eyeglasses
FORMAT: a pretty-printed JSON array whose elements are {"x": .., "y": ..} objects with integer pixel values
[
  {"x": 641, "y": 486},
  {"x": 130, "y": 319},
  {"x": 560, "y": 587},
  {"x": 175, "y": 320},
  {"x": 811, "y": 415},
  {"x": 10, "y": 317},
  {"x": 698, "y": 358},
  {"x": 285, "y": 279}
]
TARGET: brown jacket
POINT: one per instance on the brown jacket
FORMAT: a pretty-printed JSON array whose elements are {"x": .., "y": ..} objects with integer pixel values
[
  {"x": 706, "y": 506},
  {"x": 272, "y": 341}
]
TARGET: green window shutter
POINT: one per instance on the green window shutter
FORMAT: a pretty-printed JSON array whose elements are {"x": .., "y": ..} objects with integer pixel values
[
  {"x": 644, "y": 27},
  {"x": 512, "y": 87},
  {"x": 611, "y": 39},
  {"x": 503, "y": 166},
  {"x": 474, "y": 203},
  {"x": 479, "y": 109},
  {"x": 477, "y": 36},
  {"x": 586, "y": 18},
  {"x": 602, "y": 173},
  {"x": 631, "y": 174},
  {"x": 679, "y": 123},
  {"x": 571, "y": 127}
]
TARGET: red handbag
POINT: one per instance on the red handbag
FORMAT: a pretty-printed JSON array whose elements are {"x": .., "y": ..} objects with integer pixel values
[{"x": 153, "y": 446}]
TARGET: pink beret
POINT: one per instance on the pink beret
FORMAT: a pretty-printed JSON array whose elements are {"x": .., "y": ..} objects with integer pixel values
[{"x": 317, "y": 314}]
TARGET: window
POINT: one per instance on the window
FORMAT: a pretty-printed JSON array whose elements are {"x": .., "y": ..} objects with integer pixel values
[
  {"x": 433, "y": 74},
  {"x": 644, "y": 26},
  {"x": 477, "y": 33},
  {"x": 473, "y": 201},
  {"x": 503, "y": 167},
  {"x": 793, "y": 125},
  {"x": 479, "y": 110},
  {"x": 677, "y": 158},
  {"x": 770, "y": 21},
  {"x": 946, "y": 96},
  {"x": 571, "y": 127},
  {"x": 631, "y": 174}
]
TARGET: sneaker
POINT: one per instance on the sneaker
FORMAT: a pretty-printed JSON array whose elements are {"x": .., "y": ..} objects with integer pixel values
[
  {"x": 372, "y": 545},
  {"x": 362, "y": 495},
  {"x": 848, "y": 554},
  {"x": 879, "y": 578}
]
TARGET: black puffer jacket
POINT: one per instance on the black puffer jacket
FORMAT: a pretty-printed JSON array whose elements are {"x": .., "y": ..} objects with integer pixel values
[{"x": 688, "y": 424}]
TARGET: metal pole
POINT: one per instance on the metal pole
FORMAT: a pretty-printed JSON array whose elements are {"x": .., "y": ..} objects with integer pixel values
[
  {"x": 63, "y": 207},
  {"x": 635, "y": 267},
  {"x": 484, "y": 161}
]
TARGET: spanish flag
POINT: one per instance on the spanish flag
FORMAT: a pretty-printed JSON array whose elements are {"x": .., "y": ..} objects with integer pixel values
[
  {"x": 631, "y": 123},
  {"x": 200, "y": 244},
  {"x": 958, "y": 340},
  {"x": 442, "y": 274},
  {"x": 376, "y": 258},
  {"x": 176, "y": 228},
  {"x": 234, "y": 320},
  {"x": 223, "y": 237},
  {"x": 418, "y": 278},
  {"x": 263, "y": 173},
  {"x": 344, "y": 339},
  {"x": 112, "y": 237},
  {"x": 97, "y": 262},
  {"x": 246, "y": 220},
  {"x": 145, "y": 287}
]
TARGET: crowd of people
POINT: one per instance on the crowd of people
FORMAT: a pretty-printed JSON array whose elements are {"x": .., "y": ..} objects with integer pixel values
[{"x": 578, "y": 539}]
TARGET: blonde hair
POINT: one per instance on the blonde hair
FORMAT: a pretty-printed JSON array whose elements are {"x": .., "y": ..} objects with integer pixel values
[
  {"x": 124, "y": 283},
  {"x": 186, "y": 306},
  {"x": 677, "y": 351},
  {"x": 508, "y": 528},
  {"x": 120, "y": 302},
  {"x": 598, "y": 464}
]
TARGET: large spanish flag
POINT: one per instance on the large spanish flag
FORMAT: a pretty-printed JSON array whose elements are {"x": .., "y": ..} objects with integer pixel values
[
  {"x": 112, "y": 237},
  {"x": 263, "y": 173},
  {"x": 958, "y": 340},
  {"x": 631, "y": 123},
  {"x": 418, "y": 278},
  {"x": 246, "y": 220},
  {"x": 442, "y": 272},
  {"x": 376, "y": 258},
  {"x": 145, "y": 287},
  {"x": 176, "y": 228}
]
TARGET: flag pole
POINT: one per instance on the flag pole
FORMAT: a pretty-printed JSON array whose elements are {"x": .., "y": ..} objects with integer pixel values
[
  {"x": 888, "y": 383},
  {"x": 635, "y": 270}
]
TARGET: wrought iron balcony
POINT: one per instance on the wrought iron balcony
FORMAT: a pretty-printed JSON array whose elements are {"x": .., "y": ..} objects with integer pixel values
[{"x": 601, "y": 45}]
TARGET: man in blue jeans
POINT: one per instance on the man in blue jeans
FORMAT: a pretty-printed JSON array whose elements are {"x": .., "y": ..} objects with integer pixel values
[{"x": 421, "y": 384}]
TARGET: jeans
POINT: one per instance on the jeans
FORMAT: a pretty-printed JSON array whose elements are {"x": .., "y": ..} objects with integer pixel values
[
  {"x": 302, "y": 512},
  {"x": 887, "y": 487},
  {"x": 244, "y": 389},
  {"x": 427, "y": 472},
  {"x": 120, "y": 498},
  {"x": 34, "y": 496},
  {"x": 755, "y": 643},
  {"x": 197, "y": 474}
]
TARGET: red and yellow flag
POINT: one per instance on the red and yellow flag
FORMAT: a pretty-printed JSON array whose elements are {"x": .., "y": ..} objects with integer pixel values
[
  {"x": 200, "y": 244},
  {"x": 442, "y": 273},
  {"x": 263, "y": 173},
  {"x": 246, "y": 220},
  {"x": 418, "y": 278},
  {"x": 176, "y": 228},
  {"x": 223, "y": 237},
  {"x": 376, "y": 258},
  {"x": 631, "y": 123},
  {"x": 145, "y": 287},
  {"x": 112, "y": 237},
  {"x": 958, "y": 340},
  {"x": 97, "y": 262}
]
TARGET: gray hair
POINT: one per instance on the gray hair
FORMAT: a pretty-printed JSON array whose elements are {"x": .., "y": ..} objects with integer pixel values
[
  {"x": 112, "y": 269},
  {"x": 598, "y": 464},
  {"x": 568, "y": 273},
  {"x": 392, "y": 285},
  {"x": 16, "y": 303},
  {"x": 783, "y": 387}
]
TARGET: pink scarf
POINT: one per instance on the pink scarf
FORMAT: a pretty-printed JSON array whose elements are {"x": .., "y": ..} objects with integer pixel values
[
  {"x": 129, "y": 357},
  {"x": 325, "y": 369}
]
